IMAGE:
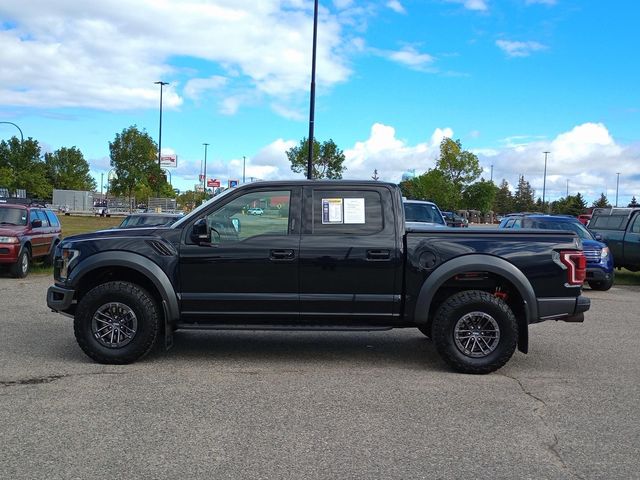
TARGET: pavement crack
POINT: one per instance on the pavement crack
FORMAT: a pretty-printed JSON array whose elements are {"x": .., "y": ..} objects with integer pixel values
[
  {"x": 50, "y": 378},
  {"x": 31, "y": 381},
  {"x": 540, "y": 412}
]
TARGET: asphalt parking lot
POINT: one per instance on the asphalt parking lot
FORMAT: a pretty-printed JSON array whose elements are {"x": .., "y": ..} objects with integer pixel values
[{"x": 318, "y": 405}]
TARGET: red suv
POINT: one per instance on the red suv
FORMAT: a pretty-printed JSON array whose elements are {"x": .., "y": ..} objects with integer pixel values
[{"x": 27, "y": 232}]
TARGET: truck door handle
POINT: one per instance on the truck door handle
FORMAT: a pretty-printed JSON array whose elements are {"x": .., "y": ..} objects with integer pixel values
[
  {"x": 286, "y": 254},
  {"x": 378, "y": 254}
]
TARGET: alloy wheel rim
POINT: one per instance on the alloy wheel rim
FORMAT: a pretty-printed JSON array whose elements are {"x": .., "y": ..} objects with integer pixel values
[
  {"x": 114, "y": 325},
  {"x": 476, "y": 334},
  {"x": 25, "y": 263}
]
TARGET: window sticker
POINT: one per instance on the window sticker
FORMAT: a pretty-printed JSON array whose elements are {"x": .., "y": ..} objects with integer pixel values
[
  {"x": 331, "y": 211},
  {"x": 354, "y": 210}
]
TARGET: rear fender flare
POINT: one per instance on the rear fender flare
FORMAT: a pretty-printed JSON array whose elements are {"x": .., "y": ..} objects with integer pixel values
[{"x": 483, "y": 263}]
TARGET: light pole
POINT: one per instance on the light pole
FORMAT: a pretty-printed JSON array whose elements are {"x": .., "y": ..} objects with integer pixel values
[
  {"x": 567, "y": 188},
  {"x": 544, "y": 179},
  {"x": 312, "y": 100},
  {"x": 492, "y": 173},
  {"x": 19, "y": 129},
  {"x": 244, "y": 160},
  {"x": 204, "y": 180},
  {"x": 162, "y": 84},
  {"x": 617, "y": 185}
]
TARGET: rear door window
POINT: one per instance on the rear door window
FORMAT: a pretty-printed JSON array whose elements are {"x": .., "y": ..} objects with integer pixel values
[
  {"x": 345, "y": 212},
  {"x": 53, "y": 220},
  {"x": 42, "y": 216}
]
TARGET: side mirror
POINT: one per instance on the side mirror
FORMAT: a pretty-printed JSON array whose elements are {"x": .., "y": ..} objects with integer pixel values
[
  {"x": 598, "y": 237},
  {"x": 36, "y": 223},
  {"x": 200, "y": 232}
]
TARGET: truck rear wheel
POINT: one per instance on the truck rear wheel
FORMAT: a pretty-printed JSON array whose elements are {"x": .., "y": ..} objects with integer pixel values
[
  {"x": 117, "y": 323},
  {"x": 475, "y": 332}
]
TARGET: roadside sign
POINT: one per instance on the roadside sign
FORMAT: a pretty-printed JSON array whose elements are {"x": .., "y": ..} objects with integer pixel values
[
  {"x": 169, "y": 161},
  {"x": 233, "y": 183},
  {"x": 213, "y": 182}
]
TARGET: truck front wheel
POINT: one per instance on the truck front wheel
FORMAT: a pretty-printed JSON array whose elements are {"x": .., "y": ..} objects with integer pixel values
[
  {"x": 117, "y": 323},
  {"x": 475, "y": 332}
]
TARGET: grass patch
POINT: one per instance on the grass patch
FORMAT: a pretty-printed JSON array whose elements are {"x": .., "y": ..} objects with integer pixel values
[
  {"x": 625, "y": 277},
  {"x": 73, "y": 225}
]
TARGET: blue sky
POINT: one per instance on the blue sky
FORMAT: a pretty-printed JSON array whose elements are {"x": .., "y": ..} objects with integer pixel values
[{"x": 509, "y": 78}]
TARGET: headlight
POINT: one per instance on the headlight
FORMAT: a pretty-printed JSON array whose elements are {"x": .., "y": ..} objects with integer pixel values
[
  {"x": 604, "y": 253},
  {"x": 68, "y": 256},
  {"x": 9, "y": 240}
]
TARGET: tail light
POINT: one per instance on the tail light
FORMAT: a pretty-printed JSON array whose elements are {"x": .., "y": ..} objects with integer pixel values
[{"x": 576, "y": 264}]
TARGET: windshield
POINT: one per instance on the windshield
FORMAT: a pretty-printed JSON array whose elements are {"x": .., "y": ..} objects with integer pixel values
[
  {"x": 422, "y": 212},
  {"x": 13, "y": 216},
  {"x": 576, "y": 227}
]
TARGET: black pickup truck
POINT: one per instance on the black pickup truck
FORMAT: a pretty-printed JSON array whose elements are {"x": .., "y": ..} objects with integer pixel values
[{"x": 323, "y": 255}]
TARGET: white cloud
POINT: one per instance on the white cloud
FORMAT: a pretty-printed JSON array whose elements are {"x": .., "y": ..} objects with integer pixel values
[
  {"x": 519, "y": 49},
  {"x": 409, "y": 57},
  {"x": 391, "y": 156},
  {"x": 197, "y": 86},
  {"x": 478, "y": 5},
  {"x": 107, "y": 54},
  {"x": 396, "y": 6},
  {"x": 587, "y": 156}
]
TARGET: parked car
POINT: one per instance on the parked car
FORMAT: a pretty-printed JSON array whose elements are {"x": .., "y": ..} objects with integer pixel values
[
  {"x": 455, "y": 220},
  {"x": 584, "y": 218},
  {"x": 419, "y": 213},
  {"x": 600, "y": 269},
  {"x": 341, "y": 259},
  {"x": 255, "y": 211},
  {"x": 619, "y": 228},
  {"x": 27, "y": 232},
  {"x": 139, "y": 220}
]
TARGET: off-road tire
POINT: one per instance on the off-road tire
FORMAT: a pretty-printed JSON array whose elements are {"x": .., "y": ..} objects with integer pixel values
[
  {"x": 130, "y": 295},
  {"x": 471, "y": 302},
  {"x": 20, "y": 269}
]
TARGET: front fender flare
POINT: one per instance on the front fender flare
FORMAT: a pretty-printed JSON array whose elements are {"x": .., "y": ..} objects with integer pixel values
[
  {"x": 136, "y": 262},
  {"x": 481, "y": 263}
]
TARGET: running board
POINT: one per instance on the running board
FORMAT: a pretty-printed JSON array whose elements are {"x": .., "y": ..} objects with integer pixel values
[{"x": 312, "y": 328}]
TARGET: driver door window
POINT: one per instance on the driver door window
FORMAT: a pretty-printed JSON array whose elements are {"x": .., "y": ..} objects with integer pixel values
[{"x": 251, "y": 215}]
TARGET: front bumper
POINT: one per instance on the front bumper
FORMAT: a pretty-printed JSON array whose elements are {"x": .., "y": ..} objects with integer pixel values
[
  {"x": 9, "y": 252},
  {"x": 598, "y": 274},
  {"x": 567, "y": 309},
  {"x": 60, "y": 299}
]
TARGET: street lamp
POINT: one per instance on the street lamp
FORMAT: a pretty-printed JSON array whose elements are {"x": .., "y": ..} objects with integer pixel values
[
  {"x": 19, "y": 129},
  {"x": 244, "y": 159},
  {"x": 544, "y": 180},
  {"x": 312, "y": 100},
  {"x": 204, "y": 179},
  {"x": 162, "y": 84},
  {"x": 617, "y": 185}
]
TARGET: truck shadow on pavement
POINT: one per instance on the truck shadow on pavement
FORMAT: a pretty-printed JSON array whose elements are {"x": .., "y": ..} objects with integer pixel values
[{"x": 408, "y": 348}]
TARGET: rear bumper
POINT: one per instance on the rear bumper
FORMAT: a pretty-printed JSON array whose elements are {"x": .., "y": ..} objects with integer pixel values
[
  {"x": 59, "y": 299},
  {"x": 567, "y": 309}
]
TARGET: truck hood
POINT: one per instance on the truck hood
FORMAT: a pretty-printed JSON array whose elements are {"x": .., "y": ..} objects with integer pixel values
[{"x": 118, "y": 233}]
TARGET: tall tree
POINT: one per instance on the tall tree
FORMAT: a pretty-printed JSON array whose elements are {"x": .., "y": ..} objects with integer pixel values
[
  {"x": 432, "y": 186},
  {"x": 68, "y": 170},
  {"x": 22, "y": 168},
  {"x": 459, "y": 166},
  {"x": 479, "y": 196},
  {"x": 523, "y": 200},
  {"x": 327, "y": 160},
  {"x": 602, "y": 202},
  {"x": 634, "y": 202},
  {"x": 134, "y": 158},
  {"x": 503, "y": 202}
]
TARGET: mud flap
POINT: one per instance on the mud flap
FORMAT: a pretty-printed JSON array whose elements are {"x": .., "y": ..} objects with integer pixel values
[{"x": 168, "y": 328}]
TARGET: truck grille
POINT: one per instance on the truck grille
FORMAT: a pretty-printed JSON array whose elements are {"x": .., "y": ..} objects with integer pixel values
[{"x": 592, "y": 255}]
